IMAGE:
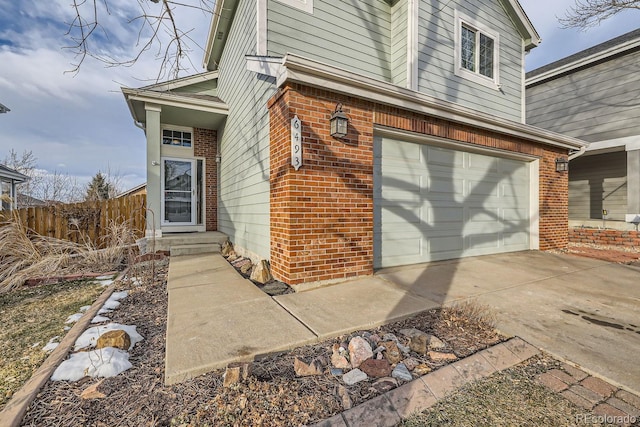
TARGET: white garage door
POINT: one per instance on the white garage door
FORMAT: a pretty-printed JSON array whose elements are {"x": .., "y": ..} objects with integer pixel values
[{"x": 436, "y": 203}]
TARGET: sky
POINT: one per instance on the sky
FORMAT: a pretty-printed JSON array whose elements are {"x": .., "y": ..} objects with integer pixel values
[{"x": 79, "y": 123}]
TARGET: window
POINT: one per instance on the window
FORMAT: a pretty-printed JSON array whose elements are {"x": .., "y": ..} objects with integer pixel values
[
  {"x": 177, "y": 138},
  {"x": 476, "y": 54}
]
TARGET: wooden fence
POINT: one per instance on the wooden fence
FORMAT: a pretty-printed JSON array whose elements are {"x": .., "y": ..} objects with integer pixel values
[{"x": 84, "y": 222}]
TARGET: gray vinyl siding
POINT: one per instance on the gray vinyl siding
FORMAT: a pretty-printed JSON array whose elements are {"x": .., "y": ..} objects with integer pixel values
[
  {"x": 243, "y": 206},
  {"x": 598, "y": 182},
  {"x": 595, "y": 104},
  {"x": 399, "y": 23},
  {"x": 353, "y": 34},
  {"x": 209, "y": 87},
  {"x": 436, "y": 44}
]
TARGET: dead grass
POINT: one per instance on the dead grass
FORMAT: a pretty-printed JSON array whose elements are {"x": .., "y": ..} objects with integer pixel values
[
  {"x": 25, "y": 255},
  {"x": 508, "y": 398},
  {"x": 30, "y": 318}
]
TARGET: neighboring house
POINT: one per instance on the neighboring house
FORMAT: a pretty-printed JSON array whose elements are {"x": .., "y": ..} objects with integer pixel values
[
  {"x": 3, "y": 109},
  {"x": 436, "y": 161},
  {"x": 134, "y": 191},
  {"x": 593, "y": 95},
  {"x": 26, "y": 201},
  {"x": 9, "y": 179}
]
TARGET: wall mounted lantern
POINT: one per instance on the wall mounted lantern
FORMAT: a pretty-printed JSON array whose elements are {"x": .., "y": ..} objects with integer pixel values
[
  {"x": 562, "y": 164},
  {"x": 339, "y": 122}
]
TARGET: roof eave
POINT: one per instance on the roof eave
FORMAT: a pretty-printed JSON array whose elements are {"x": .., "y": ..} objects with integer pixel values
[{"x": 303, "y": 70}]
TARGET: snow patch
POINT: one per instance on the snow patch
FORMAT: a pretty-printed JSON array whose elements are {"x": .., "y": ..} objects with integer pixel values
[
  {"x": 52, "y": 344},
  {"x": 105, "y": 283},
  {"x": 89, "y": 338},
  {"x": 100, "y": 319},
  {"x": 105, "y": 277},
  {"x": 84, "y": 308},
  {"x": 106, "y": 362},
  {"x": 73, "y": 318}
]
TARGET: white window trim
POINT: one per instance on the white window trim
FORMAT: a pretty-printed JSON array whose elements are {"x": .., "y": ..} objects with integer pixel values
[
  {"x": 179, "y": 129},
  {"x": 493, "y": 83},
  {"x": 304, "y": 5}
]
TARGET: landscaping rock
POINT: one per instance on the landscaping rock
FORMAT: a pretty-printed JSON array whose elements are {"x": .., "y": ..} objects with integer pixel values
[
  {"x": 422, "y": 369},
  {"x": 236, "y": 372},
  {"x": 338, "y": 360},
  {"x": 343, "y": 394},
  {"x": 337, "y": 372},
  {"x": 437, "y": 356},
  {"x": 354, "y": 376},
  {"x": 402, "y": 373},
  {"x": 232, "y": 256},
  {"x": 375, "y": 338},
  {"x": 92, "y": 392},
  {"x": 261, "y": 273},
  {"x": 411, "y": 332},
  {"x": 246, "y": 268},
  {"x": 392, "y": 353},
  {"x": 303, "y": 369},
  {"x": 419, "y": 343},
  {"x": 226, "y": 249},
  {"x": 404, "y": 349},
  {"x": 436, "y": 343},
  {"x": 359, "y": 351},
  {"x": 411, "y": 363},
  {"x": 116, "y": 338},
  {"x": 385, "y": 384},
  {"x": 376, "y": 368},
  {"x": 390, "y": 337}
]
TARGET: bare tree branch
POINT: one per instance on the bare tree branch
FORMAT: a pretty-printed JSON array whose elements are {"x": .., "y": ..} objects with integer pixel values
[
  {"x": 589, "y": 13},
  {"x": 156, "y": 26}
]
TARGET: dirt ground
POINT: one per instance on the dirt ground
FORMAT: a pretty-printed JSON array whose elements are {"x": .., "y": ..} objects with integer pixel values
[{"x": 273, "y": 395}]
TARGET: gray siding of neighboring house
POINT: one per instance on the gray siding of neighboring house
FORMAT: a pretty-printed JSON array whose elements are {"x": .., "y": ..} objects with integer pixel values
[
  {"x": 399, "y": 24},
  {"x": 597, "y": 103},
  {"x": 243, "y": 202},
  {"x": 436, "y": 44},
  {"x": 598, "y": 182},
  {"x": 353, "y": 34}
]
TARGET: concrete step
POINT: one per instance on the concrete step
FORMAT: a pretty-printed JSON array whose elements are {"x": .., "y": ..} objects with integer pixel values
[
  {"x": 167, "y": 241},
  {"x": 195, "y": 249}
]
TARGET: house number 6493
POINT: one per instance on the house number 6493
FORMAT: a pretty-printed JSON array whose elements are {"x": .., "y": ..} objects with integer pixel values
[{"x": 296, "y": 143}]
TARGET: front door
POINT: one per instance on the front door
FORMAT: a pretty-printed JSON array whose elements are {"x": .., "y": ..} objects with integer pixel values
[{"x": 179, "y": 191}]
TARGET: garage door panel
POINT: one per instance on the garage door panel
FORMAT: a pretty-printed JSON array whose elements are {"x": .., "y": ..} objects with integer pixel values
[
  {"x": 444, "y": 157},
  {"x": 435, "y": 203},
  {"x": 402, "y": 215},
  {"x": 482, "y": 163}
]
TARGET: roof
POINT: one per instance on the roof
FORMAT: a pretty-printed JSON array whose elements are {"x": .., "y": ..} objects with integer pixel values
[
  {"x": 132, "y": 190},
  {"x": 4, "y": 109},
  {"x": 624, "y": 44},
  {"x": 225, "y": 11},
  {"x": 6, "y": 172}
]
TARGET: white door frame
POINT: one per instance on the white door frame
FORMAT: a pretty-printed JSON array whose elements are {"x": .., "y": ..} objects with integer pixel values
[{"x": 192, "y": 161}]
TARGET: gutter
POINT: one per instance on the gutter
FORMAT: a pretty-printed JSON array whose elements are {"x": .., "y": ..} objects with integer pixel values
[{"x": 578, "y": 153}]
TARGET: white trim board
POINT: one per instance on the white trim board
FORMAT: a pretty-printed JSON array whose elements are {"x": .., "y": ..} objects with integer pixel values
[{"x": 304, "y": 5}]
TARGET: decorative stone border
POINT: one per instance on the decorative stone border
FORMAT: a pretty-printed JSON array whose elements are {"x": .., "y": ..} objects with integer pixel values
[{"x": 392, "y": 407}]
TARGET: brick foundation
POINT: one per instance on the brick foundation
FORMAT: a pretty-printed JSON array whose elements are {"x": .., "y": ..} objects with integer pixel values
[
  {"x": 322, "y": 214},
  {"x": 604, "y": 237},
  {"x": 205, "y": 145}
]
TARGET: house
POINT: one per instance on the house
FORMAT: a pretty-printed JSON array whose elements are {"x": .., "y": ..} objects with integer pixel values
[
  {"x": 3, "y": 109},
  {"x": 593, "y": 95},
  {"x": 26, "y": 201},
  {"x": 9, "y": 179},
  {"x": 134, "y": 191},
  {"x": 436, "y": 161}
]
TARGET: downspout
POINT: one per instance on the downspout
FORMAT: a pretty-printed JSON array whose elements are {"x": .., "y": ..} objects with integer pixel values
[
  {"x": 578, "y": 153},
  {"x": 139, "y": 125}
]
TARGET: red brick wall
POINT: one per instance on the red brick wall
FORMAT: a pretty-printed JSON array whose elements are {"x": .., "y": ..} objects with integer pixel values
[
  {"x": 604, "y": 237},
  {"x": 205, "y": 145},
  {"x": 322, "y": 214}
]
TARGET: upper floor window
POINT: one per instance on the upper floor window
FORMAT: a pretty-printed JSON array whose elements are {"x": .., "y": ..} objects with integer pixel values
[
  {"x": 476, "y": 52},
  {"x": 180, "y": 138}
]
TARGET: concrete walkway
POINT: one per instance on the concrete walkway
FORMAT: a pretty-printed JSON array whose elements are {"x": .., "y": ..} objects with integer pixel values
[{"x": 579, "y": 309}]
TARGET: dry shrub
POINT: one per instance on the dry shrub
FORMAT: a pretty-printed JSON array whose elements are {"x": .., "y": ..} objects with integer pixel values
[
  {"x": 25, "y": 254},
  {"x": 471, "y": 312}
]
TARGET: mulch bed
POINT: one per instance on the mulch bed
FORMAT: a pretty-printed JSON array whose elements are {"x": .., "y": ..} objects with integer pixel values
[{"x": 272, "y": 396}]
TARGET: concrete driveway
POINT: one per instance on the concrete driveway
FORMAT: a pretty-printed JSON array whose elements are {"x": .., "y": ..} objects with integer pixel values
[{"x": 582, "y": 310}]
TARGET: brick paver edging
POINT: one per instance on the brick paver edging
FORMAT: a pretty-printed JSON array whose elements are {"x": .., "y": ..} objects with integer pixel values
[
  {"x": 12, "y": 414},
  {"x": 393, "y": 406}
]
